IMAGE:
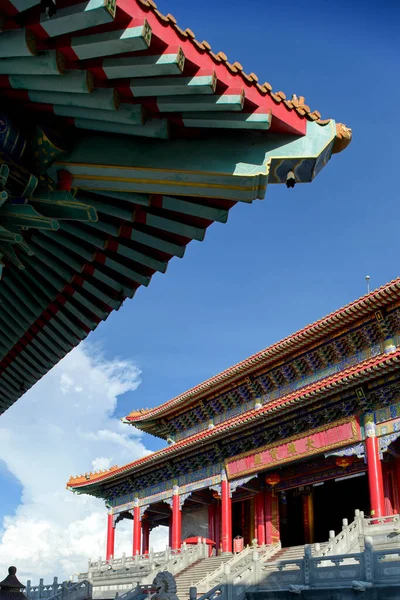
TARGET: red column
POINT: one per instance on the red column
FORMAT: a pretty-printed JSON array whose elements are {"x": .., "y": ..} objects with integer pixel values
[
  {"x": 226, "y": 516},
  {"x": 110, "y": 536},
  {"x": 268, "y": 517},
  {"x": 145, "y": 536},
  {"x": 176, "y": 521},
  {"x": 260, "y": 518},
  {"x": 218, "y": 527},
  {"x": 375, "y": 479},
  {"x": 397, "y": 484},
  {"x": 308, "y": 518},
  {"x": 211, "y": 522},
  {"x": 137, "y": 528},
  {"x": 170, "y": 531}
]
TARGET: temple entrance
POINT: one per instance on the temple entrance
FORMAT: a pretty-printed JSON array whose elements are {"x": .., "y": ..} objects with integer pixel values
[
  {"x": 307, "y": 514},
  {"x": 337, "y": 499},
  {"x": 243, "y": 520}
]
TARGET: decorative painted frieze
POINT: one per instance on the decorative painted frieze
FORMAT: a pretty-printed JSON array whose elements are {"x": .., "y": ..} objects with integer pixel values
[{"x": 294, "y": 448}]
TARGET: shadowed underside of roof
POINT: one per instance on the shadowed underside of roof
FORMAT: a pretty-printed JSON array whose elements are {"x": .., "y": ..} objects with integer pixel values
[{"x": 122, "y": 138}]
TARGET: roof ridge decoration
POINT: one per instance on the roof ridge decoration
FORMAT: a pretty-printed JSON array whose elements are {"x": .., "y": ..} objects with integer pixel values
[
  {"x": 351, "y": 376},
  {"x": 332, "y": 321}
]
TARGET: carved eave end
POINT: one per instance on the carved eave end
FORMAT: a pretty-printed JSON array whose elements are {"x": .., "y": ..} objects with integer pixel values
[{"x": 343, "y": 138}]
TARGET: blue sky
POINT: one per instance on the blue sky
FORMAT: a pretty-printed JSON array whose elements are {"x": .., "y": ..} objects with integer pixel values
[{"x": 288, "y": 260}]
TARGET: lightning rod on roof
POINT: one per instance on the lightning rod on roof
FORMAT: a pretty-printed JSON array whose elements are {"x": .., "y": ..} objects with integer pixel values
[{"x": 367, "y": 278}]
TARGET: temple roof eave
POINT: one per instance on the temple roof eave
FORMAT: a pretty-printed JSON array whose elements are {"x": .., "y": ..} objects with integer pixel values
[
  {"x": 144, "y": 418},
  {"x": 358, "y": 374}
]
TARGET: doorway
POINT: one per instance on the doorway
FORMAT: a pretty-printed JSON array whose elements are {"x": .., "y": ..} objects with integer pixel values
[{"x": 332, "y": 501}]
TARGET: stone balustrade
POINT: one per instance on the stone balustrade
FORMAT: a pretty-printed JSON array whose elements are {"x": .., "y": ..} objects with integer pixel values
[
  {"x": 123, "y": 575},
  {"x": 357, "y": 571},
  {"x": 236, "y": 565},
  {"x": 59, "y": 591}
]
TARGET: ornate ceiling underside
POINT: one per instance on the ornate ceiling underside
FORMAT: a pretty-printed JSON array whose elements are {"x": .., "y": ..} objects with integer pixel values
[{"x": 122, "y": 138}]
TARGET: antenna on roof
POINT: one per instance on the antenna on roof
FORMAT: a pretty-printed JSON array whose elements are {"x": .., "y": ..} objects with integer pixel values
[{"x": 367, "y": 278}]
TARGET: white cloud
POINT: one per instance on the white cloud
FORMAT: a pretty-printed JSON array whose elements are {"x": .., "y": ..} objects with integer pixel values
[{"x": 61, "y": 427}]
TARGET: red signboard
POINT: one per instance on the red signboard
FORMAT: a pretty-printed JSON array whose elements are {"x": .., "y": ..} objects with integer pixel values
[
  {"x": 237, "y": 544},
  {"x": 318, "y": 440}
]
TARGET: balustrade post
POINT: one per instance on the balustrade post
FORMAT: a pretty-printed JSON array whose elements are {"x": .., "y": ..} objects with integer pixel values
[
  {"x": 331, "y": 538},
  {"x": 255, "y": 557},
  {"x": 345, "y": 529},
  {"x": 228, "y": 582},
  {"x": 192, "y": 593},
  {"x": 368, "y": 559},
  {"x": 55, "y": 585},
  {"x": 307, "y": 564},
  {"x": 28, "y": 587},
  {"x": 40, "y": 590}
]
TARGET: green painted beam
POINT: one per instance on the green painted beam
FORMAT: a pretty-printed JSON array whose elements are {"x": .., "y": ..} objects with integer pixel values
[
  {"x": 196, "y": 210},
  {"x": 158, "y": 243},
  {"x": 78, "y": 17},
  {"x": 141, "y": 258},
  {"x": 76, "y": 211},
  {"x": 169, "y": 63},
  {"x": 76, "y": 82},
  {"x": 173, "y": 86},
  {"x": 131, "y": 39},
  {"x": 154, "y": 128},
  {"x": 45, "y": 63},
  {"x": 225, "y": 102},
  {"x": 253, "y": 121},
  {"x": 142, "y": 199},
  {"x": 102, "y": 99},
  {"x": 127, "y": 114},
  {"x": 17, "y": 43}
]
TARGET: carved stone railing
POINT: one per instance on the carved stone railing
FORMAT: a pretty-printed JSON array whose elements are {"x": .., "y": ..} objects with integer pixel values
[
  {"x": 59, "y": 591},
  {"x": 238, "y": 566},
  {"x": 125, "y": 575},
  {"x": 358, "y": 571},
  {"x": 345, "y": 541}
]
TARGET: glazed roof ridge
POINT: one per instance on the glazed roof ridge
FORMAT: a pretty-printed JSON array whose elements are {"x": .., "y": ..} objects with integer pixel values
[
  {"x": 365, "y": 369},
  {"x": 297, "y": 103},
  {"x": 274, "y": 351}
]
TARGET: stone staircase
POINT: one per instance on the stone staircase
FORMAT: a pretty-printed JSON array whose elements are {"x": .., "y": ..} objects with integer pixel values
[{"x": 196, "y": 572}]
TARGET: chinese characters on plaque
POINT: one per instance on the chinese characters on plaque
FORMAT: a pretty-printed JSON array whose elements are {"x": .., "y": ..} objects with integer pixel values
[{"x": 340, "y": 433}]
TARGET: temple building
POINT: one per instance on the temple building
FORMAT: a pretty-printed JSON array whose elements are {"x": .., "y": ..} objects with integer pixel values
[
  {"x": 122, "y": 138},
  {"x": 280, "y": 447}
]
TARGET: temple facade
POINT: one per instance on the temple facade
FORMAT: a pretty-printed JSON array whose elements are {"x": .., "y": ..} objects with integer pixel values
[{"x": 280, "y": 447}]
